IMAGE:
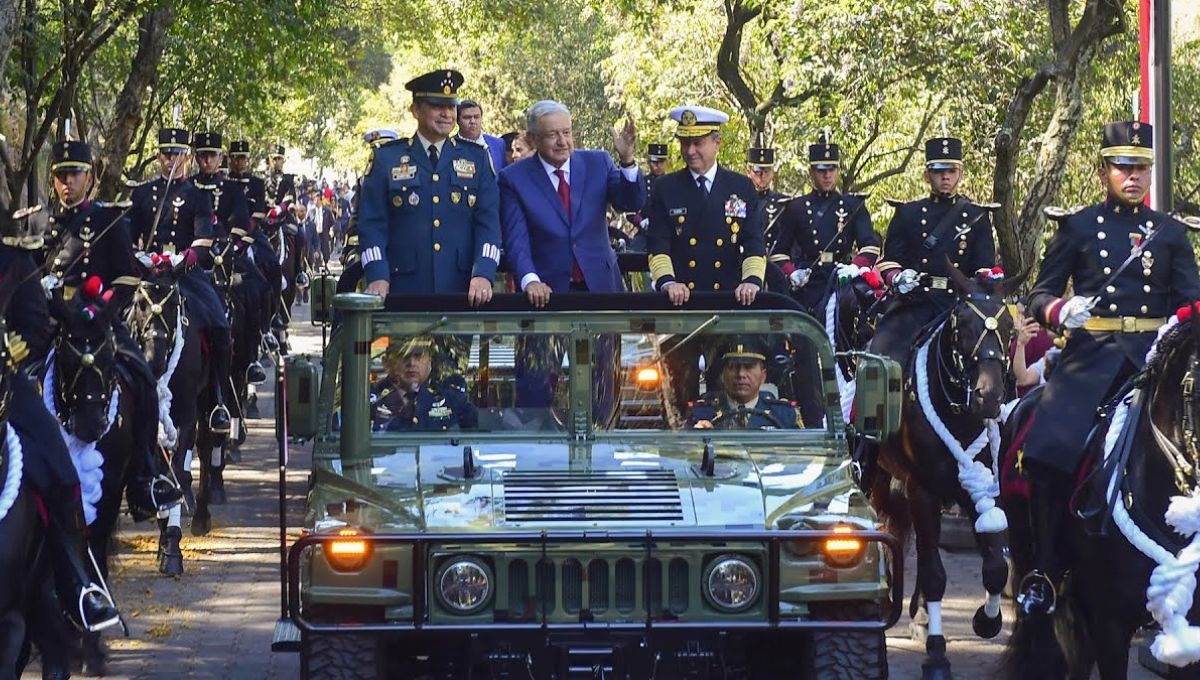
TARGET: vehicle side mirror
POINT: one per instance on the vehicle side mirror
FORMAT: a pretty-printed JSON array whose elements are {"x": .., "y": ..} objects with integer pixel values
[{"x": 877, "y": 398}]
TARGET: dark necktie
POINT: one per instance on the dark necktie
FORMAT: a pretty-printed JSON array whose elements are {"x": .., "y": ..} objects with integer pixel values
[
  {"x": 410, "y": 406},
  {"x": 702, "y": 182},
  {"x": 433, "y": 155}
]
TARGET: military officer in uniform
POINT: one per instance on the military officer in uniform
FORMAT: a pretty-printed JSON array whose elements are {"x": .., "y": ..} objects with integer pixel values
[
  {"x": 23, "y": 348},
  {"x": 89, "y": 238},
  {"x": 281, "y": 186},
  {"x": 170, "y": 214},
  {"x": 1132, "y": 267},
  {"x": 741, "y": 402},
  {"x": 255, "y": 190},
  {"x": 920, "y": 238},
  {"x": 429, "y": 215},
  {"x": 822, "y": 230},
  {"x": 638, "y": 222},
  {"x": 704, "y": 231},
  {"x": 760, "y": 168},
  {"x": 405, "y": 400}
]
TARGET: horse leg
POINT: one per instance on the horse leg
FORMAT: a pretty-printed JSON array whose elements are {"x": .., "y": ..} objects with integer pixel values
[
  {"x": 216, "y": 470},
  {"x": 202, "y": 517},
  {"x": 170, "y": 556},
  {"x": 931, "y": 578},
  {"x": 12, "y": 639},
  {"x": 993, "y": 548}
]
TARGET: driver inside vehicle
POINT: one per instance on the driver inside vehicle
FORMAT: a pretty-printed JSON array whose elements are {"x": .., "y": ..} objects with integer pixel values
[
  {"x": 741, "y": 403},
  {"x": 405, "y": 399}
]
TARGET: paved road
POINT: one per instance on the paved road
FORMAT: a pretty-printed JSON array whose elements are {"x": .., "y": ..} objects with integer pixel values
[{"x": 216, "y": 621}]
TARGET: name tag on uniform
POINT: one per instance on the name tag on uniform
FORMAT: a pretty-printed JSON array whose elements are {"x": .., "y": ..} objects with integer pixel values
[
  {"x": 826, "y": 257},
  {"x": 735, "y": 207},
  {"x": 404, "y": 172},
  {"x": 465, "y": 169},
  {"x": 440, "y": 412},
  {"x": 677, "y": 212}
]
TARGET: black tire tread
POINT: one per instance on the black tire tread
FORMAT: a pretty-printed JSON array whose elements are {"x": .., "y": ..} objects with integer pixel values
[
  {"x": 339, "y": 657},
  {"x": 849, "y": 656}
]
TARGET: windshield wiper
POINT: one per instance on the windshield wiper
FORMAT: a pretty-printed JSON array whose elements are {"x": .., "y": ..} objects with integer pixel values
[{"x": 711, "y": 321}]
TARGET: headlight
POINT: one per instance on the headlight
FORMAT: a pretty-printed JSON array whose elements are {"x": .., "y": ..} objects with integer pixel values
[
  {"x": 464, "y": 585},
  {"x": 731, "y": 583}
]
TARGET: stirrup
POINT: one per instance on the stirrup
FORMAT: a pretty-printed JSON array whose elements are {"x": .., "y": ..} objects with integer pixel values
[
  {"x": 1029, "y": 581},
  {"x": 222, "y": 429},
  {"x": 114, "y": 620},
  {"x": 162, "y": 506}
]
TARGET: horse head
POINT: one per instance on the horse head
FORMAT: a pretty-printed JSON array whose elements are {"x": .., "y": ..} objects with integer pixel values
[
  {"x": 154, "y": 318},
  {"x": 980, "y": 332},
  {"x": 84, "y": 364},
  {"x": 857, "y": 303}
]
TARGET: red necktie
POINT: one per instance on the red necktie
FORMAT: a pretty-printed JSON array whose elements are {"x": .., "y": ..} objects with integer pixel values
[{"x": 564, "y": 195}]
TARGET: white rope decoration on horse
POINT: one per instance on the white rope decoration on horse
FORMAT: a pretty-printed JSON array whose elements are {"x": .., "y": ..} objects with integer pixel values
[
  {"x": 846, "y": 388},
  {"x": 1173, "y": 582},
  {"x": 167, "y": 432},
  {"x": 16, "y": 465},
  {"x": 977, "y": 479},
  {"x": 87, "y": 460}
]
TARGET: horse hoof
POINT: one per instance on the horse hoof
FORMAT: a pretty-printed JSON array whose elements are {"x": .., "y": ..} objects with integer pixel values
[
  {"x": 201, "y": 524},
  {"x": 936, "y": 669},
  {"x": 919, "y": 632},
  {"x": 233, "y": 453},
  {"x": 216, "y": 494},
  {"x": 985, "y": 627},
  {"x": 54, "y": 671},
  {"x": 95, "y": 662},
  {"x": 251, "y": 410},
  {"x": 170, "y": 557}
]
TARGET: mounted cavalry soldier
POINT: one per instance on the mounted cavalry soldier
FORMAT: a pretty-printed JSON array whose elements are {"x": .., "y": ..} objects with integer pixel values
[
  {"x": 91, "y": 239},
  {"x": 1120, "y": 299},
  {"x": 281, "y": 186},
  {"x": 921, "y": 237},
  {"x": 171, "y": 215},
  {"x": 255, "y": 190},
  {"x": 48, "y": 462},
  {"x": 822, "y": 230},
  {"x": 231, "y": 212}
]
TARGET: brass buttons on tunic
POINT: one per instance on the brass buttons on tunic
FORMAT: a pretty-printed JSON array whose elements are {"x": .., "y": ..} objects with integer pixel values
[{"x": 437, "y": 246}]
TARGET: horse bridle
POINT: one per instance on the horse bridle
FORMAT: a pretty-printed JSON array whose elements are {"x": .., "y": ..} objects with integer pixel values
[
  {"x": 86, "y": 359},
  {"x": 156, "y": 314},
  {"x": 978, "y": 354},
  {"x": 1184, "y": 463}
]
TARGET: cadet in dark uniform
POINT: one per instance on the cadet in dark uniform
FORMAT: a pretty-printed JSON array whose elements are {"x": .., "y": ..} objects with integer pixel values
[
  {"x": 1132, "y": 267},
  {"x": 741, "y": 402},
  {"x": 280, "y": 185},
  {"x": 656, "y": 159},
  {"x": 88, "y": 238},
  {"x": 760, "y": 168},
  {"x": 23, "y": 349},
  {"x": 406, "y": 401},
  {"x": 255, "y": 190},
  {"x": 821, "y": 231},
  {"x": 704, "y": 231},
  {"x": 429, "y": 210},
  {"x": 921, "y": 235},
  {"x": 171, "y": 215}
]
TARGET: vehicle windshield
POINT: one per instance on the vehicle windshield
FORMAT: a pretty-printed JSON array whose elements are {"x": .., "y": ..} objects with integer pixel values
[{"x": 705, "y": 376}]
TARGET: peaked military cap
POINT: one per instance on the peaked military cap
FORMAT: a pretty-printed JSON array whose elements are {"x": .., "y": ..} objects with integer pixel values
[
  {"x": 239, "y": 147},
  {"x": 379, "y": 136},
  {"x": 697, "y": 121},
  {"x": 401, "y": 347},
  {"x": 277, "y": 151},
  {"x": 760, "y": 155},
  {"x": 208, "y": 141},
  {"x": 824, "y": 155},
  {"x": 436, "y": 87},
  {"x": 70, "y": 156},
  {"x": 1128, "y": 143},
  {"x": 177, "y": 139},
  {"x": 943, "y": 153},
  {"x": 745, "y": 348},
  {"x": 656, "y": 152}
]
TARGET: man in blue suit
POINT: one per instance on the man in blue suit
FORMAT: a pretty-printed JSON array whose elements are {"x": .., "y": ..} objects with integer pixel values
[
  {"x": 552, "y": 207},
  {"x": 428, "y": 218},
  {"x": 470, "y": 130}
]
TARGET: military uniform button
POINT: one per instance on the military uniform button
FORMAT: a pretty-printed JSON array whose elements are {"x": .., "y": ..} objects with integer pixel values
[
  {"x": 692, "y": 264},
  {"x": 728, "y": 220},
  {"x": 924, "y": 260},
  {"x": 1101, "y": 235},
  {"x": 716, "y": 286},
  {"x": 1103, "y": 253},
  {"x": 1107, "y": 271},
  {"x": 1146, "y": 288},
  {"x": 924, "y": 234},
  {"x": 964, "y": 214},
  {"x": 691, "y": 285},
  {"x": 735, "y": 228},
  {"x": 680, "y": 219},
  {"x": 1111, "y": 289},
  {"x": 924, "y": 209},
  {"x": 437, "y": 223},
  {"x": 1100, "y": 220},
  {"x": 922, "y": 220},
  {"x": 1145, "y": 272},
  {"x": 720, "y": 242},
  {"x": 1144, "y": 309},
  {"x": 717, "y": 264},
  {"x": 691, "y": 241},
  {"x": 397, "y": 201},
  {"x": 437, "y": 200},
  {"x": 1149, "y": 223},
  {"x": 1112, "y": 307},
  {"x": 435, "y": 177},
  {"x": 437, "y": 246}
]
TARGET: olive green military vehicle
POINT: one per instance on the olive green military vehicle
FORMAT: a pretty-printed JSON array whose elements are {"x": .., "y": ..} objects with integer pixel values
[{"x": 543, "y": 503}]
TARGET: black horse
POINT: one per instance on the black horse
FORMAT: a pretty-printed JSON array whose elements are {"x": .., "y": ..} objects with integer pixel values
[
  {"x": 173, "y": 347},
  {"x": 285, "y": 238},
  {"x": 850, "y": 311},
  {"x": 1132, "y": 561},
  {"x": 955, "y": 383},
  {"x": 93, "y": 401}
]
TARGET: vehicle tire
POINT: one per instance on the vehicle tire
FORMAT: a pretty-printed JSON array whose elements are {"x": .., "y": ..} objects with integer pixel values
[
  {"x": 845, "y": 655},
  {"x": 339, "y": 657}
]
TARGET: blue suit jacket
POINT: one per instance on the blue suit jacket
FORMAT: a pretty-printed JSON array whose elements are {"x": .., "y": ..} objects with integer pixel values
[
  {"x": 540, "y": 238},
  {"x": 426, "y": 229}
]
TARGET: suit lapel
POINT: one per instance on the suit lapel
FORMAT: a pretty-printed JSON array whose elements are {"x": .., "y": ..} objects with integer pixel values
[{"x": 542, "y": 180}]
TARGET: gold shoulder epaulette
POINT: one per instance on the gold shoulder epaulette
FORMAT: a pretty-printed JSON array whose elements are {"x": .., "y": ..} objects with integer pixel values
[
  {"x": 987, "y": 206},
  {"x": 1190, "y": 221},
  {"x": 119, "y": 205},
  {"x": 27, "y": 242},
  {"x": 133, "y": 183},
  {"x": 1056, "y": 213}
]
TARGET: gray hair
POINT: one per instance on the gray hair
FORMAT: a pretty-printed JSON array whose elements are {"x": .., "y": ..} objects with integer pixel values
[{"x": 540, "y": 109}]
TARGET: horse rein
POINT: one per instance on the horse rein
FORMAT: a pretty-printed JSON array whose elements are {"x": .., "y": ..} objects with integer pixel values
[
  {"x": 156, "y": 313},
  {"x": 1184, "y": 464},
  {"x": 957, "y": 375},
  {"x": 87, "y": 362}
]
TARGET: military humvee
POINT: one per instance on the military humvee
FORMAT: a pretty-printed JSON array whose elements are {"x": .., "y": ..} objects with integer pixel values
[{"x": 593, "y": 534}]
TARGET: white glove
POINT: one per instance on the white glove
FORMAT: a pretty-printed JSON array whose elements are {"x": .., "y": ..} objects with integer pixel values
[
  {"x": 645, "y": 224},
  {"x": 905, "y": 281},
  {"x": 799, "y": 278},
  {"x": 1076, "y": 311},
  {"x": 49, "y": 283}
]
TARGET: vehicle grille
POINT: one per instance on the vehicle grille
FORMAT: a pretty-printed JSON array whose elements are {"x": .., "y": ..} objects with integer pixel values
[
  {"x": 601, "y": 496},
  {"x": 606, "y": 589}
]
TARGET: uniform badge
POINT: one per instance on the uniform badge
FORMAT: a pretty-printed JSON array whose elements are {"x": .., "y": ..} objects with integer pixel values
[
  {"x": 403, "y": 171},
  {"x": 471, "y": 200},
  {"x": 1147, "y": 260},
  {"x": 455, "y": 197},
  {"x": 687, "y": 118},
  {"x": 841, "y": 217},
  {"x": 413, "y": 198},
  {"x": 398, "y": 200},
  {"x": 1135, "y": 242},
  {"x": 735, "y": 207},
  {"x": 464, "y": 168},
  {"x": 677, "y": 212},
  {"x": 177, "y": 202}
]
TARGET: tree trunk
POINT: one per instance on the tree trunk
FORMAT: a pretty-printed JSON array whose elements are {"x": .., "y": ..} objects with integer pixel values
[{"x": 127, "y": 113}]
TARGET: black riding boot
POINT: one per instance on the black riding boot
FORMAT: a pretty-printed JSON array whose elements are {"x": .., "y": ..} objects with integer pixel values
[
  {"x": 88, "y": 605},
  {"x": 221, "y": 355},
  {"x": 1048, "y": 498}
]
